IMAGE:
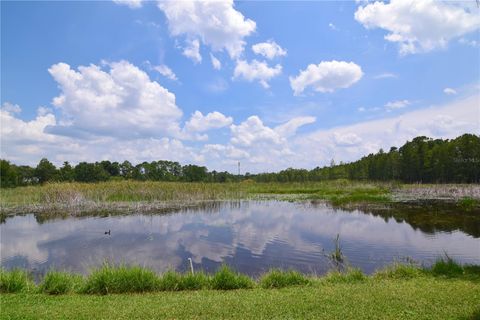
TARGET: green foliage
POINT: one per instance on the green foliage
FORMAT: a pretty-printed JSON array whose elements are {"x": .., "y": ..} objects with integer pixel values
[
  {"x": 14, "y": 281},
  {"x": 46, "y": 171},
  {"x": 56, "y": 282},
  {"x": 121, "y": 279},
  {"x": 281, "y": 279},
  {"x": 226, "y": 279}
]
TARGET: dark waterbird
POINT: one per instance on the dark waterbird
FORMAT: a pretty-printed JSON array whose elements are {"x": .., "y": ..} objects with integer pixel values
[{"x": 107, "y": 232}]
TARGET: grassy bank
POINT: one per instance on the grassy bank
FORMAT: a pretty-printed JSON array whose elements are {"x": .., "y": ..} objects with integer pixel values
[
  {"x": 109, "y": 279},
  {"x": 419, "y": 298},
  {"x": 446, "y": 290}
]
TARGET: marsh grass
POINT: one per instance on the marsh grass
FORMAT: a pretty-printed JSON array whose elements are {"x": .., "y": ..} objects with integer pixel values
[
  {"x": 15, "y": 281},
  {"x": 56, "y": 282},
  {"x": 141, "y": 195},
  {"x": 280, "y": 279}
]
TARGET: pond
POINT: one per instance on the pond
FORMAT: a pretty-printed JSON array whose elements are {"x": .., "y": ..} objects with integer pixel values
[{"x": 250, "y": 236}]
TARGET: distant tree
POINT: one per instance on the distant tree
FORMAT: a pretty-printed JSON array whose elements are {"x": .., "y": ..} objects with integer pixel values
[
  {"x": 8, "y": 174},
  {"x": 90, "y": 172},
  {"x": 46, "y": 171},
  {"x": 66, "y": 172}
]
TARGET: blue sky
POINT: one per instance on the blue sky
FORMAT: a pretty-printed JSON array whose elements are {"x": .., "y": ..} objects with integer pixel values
[{"x": 298, "y": 84}]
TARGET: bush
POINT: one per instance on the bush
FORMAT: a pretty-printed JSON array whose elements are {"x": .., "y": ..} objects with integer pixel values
[
  {"x": 281, "y": 279},
  {"x": 195, "y": 281},
  {"x": 15, "y": 280},
  {"x": 226, "y": 279}
]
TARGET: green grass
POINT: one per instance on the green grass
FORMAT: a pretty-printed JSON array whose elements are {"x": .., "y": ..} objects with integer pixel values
[
  {"x": 120, "y": 279},
  {"x": 227, "y": 279},
  {"x": 420, "y": 298},
  {"x": 16, "y": 280},
  {"x": 350, "y": 276},
  {"x": 282, "y": 279},
  {"x": 447, "y": 290},
  {"x": 56, "y": 282}
]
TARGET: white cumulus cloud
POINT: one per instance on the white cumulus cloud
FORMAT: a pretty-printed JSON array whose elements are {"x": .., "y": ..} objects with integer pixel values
[
  {"x": 217, "y": 65},
  {"x": 269, "y": 49},
  {"x": 398, "y": 104},
  {"x": 213, "y": 120},
  {"x": 327, "y": 76},
  {"x": 133, "y": 4},
  {"x": 449, "y": 91},
  {"x": 418, "y": 26},
  {"x": 256, "y": 70},
  {"x": 165, "y": 71},
  {"x": 192, "y": 50},
  {"x": 215, "y": 23},
  {"x": 120, "y": 101}
]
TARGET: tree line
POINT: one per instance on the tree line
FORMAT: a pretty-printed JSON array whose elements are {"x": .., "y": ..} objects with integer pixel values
[{"x": 422, "y": 160}]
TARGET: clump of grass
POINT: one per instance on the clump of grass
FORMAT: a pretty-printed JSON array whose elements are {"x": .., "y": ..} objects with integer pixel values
[
  {"x": 281, "y": 279},
  {"x": 15, "y": 281},
  {"x": 468, "y": 204},
  {"x": 447, "y": 267},
  {"x": 227, "y": 279},
  {"x": 349, "y": 276},
  {"x": 170, "y": 281},
  {"x": 122, "y": 279},
  {"x": 399, "y": 271},
  {"x": 195, "y": 281},
  {"x": 56, "y": 282}
]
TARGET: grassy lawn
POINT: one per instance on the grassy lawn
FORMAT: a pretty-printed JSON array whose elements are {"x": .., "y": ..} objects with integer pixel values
[{"x": 419, "y": 298}]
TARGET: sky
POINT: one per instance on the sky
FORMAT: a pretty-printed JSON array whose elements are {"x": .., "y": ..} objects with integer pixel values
[{"x": 270, "y": 84}]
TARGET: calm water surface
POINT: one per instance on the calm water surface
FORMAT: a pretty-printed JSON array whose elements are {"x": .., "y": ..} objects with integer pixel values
[{"x": 250, "y": 236}]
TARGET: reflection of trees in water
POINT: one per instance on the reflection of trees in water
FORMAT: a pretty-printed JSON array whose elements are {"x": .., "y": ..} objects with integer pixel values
[{"x": 429, "y": 217}]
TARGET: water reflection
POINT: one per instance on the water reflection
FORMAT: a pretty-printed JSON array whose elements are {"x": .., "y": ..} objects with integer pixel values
[{"x": 251, "y": 236}]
